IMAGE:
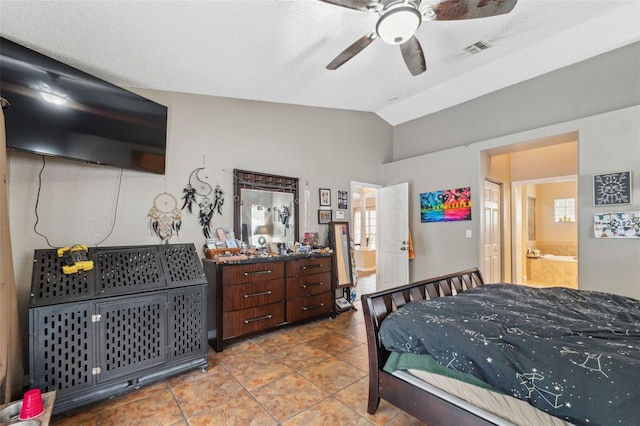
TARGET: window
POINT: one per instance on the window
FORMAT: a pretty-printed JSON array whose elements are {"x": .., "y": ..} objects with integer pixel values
[
  {"x": 564, "y": 210},
  {"x": 370, "y": 228}
]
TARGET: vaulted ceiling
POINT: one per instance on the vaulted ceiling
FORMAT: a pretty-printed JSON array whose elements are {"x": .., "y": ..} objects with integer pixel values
[{"x": 277, "y": 50}]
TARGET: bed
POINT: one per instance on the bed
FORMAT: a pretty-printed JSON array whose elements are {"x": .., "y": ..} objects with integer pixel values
[{"x": 551, "y": 356}]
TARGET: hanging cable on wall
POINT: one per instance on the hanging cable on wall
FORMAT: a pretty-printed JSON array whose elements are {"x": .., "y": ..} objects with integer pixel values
[
  {"x": 115, "y": 211},
  {"x": 35, "y": 225}
]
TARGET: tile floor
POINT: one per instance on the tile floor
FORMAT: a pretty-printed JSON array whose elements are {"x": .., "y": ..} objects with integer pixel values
[{"x": 312, "y": 374}]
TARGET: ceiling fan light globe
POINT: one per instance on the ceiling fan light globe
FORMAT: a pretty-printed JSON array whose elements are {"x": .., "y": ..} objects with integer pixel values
[{"x": 397, "y": 25}]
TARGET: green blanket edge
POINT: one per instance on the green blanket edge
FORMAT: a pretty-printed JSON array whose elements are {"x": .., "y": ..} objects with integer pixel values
[{"x": 406, "y": 361}]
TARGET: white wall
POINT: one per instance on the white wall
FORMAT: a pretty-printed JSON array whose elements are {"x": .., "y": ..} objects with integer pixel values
[
  {"x": 606, "y": 142},
  {"x": 77, "y": 201}
]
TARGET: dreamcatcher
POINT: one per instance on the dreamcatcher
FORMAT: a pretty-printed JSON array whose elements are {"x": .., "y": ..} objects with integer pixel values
[
  {"x": 165, "y": 218},
  {"x": 199, "y": 188}
]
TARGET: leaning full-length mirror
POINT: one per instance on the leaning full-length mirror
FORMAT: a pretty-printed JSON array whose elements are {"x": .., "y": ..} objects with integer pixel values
[
  {"x": 266, "y": 208},
  {"x": 339, "y": 241}
]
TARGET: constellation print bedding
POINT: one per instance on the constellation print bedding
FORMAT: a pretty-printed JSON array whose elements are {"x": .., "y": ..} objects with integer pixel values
[{"x": 573, "y": 354}]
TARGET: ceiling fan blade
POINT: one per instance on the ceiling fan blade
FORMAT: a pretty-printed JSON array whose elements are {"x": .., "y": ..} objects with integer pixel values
[
  {"x": 413, "y": 56},
  {"x": 452, "y": 10},
  {"x": 351, "y": 51},
  {"x": 351, "y": 4}
]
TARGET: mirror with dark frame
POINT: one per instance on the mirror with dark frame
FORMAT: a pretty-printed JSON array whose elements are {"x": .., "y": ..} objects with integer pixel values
[
  {"x": 265, "y": 208},
  {"x": 339, "y": 242}
]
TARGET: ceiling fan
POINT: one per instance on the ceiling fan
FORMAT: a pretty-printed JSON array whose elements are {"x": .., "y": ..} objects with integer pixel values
[{"x": 400, "y": 19}]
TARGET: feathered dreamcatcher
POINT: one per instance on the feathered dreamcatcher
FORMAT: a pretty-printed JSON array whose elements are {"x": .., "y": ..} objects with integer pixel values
[
  {"x": 165, "y": 218},
  {"x": 198, "y": 188}
]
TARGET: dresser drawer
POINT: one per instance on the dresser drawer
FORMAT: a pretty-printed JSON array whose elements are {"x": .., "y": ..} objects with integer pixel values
[
  {"x": 248, "y": 295},
  {"x": 253, "y": 272},
  {"x": 307, "y": 307},
  {"x": 244, "y": 321},
  {"x": 308, "y": 285},
  {"x": 308, "y": 266}
]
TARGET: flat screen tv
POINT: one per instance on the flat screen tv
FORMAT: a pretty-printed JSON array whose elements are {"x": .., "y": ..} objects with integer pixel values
[{"x": 60, "y": 111}]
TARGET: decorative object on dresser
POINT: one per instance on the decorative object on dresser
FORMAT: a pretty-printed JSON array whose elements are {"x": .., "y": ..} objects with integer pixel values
[
  {"x": 137, "y": 317},
  {"x": 257, "y": 295}
]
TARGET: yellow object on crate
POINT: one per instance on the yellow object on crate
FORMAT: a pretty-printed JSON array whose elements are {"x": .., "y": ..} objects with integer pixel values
[{"x": 75, "y": 259}]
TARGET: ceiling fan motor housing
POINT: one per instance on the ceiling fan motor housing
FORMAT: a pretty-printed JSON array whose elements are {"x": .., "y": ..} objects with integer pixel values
[{"x": 398, "y": 23}]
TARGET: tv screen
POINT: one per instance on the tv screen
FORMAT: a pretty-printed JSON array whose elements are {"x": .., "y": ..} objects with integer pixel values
[{"x": 60, "y": 111}]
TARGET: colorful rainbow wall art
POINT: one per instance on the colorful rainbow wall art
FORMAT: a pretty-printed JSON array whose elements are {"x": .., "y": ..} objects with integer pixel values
[{"x": 449, "y": 205}]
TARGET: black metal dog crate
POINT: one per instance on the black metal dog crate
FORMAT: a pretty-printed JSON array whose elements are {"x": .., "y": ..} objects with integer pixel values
[{"x": 140, "y": 315}]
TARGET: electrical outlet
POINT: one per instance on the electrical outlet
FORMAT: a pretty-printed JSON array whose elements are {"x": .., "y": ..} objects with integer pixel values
[{"x": 468, "y": 233}]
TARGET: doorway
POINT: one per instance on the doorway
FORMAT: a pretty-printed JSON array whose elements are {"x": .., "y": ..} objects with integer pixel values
[
  {"x": 528, "y": 171},
  {"x": 546, "y": 238},
  {"x": 364, "y": 214}
]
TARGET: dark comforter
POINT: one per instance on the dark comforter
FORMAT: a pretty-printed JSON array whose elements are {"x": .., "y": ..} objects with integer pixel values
[{"x": 573, "y": 354}]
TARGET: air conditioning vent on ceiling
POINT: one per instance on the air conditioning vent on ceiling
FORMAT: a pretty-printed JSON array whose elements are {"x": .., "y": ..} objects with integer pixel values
[{"x": 477, "y": 47}]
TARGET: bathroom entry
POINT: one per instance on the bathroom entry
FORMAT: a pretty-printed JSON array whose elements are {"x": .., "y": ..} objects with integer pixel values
[{"x": 546, "y": 246}]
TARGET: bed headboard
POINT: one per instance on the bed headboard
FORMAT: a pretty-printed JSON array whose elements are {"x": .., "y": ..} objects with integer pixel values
[{"x": 376, "y": 306}]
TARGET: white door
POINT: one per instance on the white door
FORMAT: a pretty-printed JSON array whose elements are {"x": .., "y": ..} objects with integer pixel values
[
  {"x": 393, "y": 234},
  {"x": 492, "y": 272}
]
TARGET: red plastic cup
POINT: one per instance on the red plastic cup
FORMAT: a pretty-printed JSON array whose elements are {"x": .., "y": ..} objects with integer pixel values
[{"x": 31, "y": 404}]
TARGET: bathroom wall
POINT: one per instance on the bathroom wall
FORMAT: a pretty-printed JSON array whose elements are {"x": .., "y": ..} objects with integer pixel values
[{"x": 560, "y": 238}]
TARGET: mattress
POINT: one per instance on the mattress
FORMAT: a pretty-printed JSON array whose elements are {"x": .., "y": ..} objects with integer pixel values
[{"x": 503, "y": 410}]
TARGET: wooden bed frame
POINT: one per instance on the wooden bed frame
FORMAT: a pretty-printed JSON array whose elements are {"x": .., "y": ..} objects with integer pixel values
[{"x": 419, "y": 403}]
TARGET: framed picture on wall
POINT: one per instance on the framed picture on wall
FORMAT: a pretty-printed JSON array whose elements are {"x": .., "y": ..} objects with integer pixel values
[
  {"x": 612, "y": 188},
  {"x": 343, "y": 200},
  {"x": 324, "y": 216},
  {"x": 325, "y": 197}
]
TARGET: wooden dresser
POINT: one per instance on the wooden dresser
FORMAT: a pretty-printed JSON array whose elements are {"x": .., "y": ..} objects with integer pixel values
[{"x": 253, "y": 296}]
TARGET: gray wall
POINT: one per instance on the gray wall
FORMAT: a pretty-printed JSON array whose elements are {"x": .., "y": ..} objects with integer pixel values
[
  {"x": 324, "y": 148},
  {"x": 604, "y": 83},
  {"x": 608, "y": 140}
]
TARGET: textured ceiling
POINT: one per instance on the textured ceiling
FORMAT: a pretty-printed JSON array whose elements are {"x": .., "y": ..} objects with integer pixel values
[{"x": 277, "y": 50}]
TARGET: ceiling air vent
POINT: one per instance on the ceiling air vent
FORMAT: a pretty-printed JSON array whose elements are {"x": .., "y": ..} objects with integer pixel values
[{"x": 477, "y": 47}]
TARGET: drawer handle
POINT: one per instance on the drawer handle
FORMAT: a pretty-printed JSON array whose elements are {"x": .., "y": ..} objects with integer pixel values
[
  {"x": 317, "y": 265},
  {"x": 267, "y": 271},
  {"x": 264, "y": 293},
  {"x": 248, "y": 321},
  {"x": 312, "y": 284},
  {"x": 306, "y": 308}
]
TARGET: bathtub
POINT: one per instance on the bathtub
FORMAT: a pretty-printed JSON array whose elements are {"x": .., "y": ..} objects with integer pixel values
[
  {"x": 559, "y": 258},
  {"x": 553, "y": 270}
]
